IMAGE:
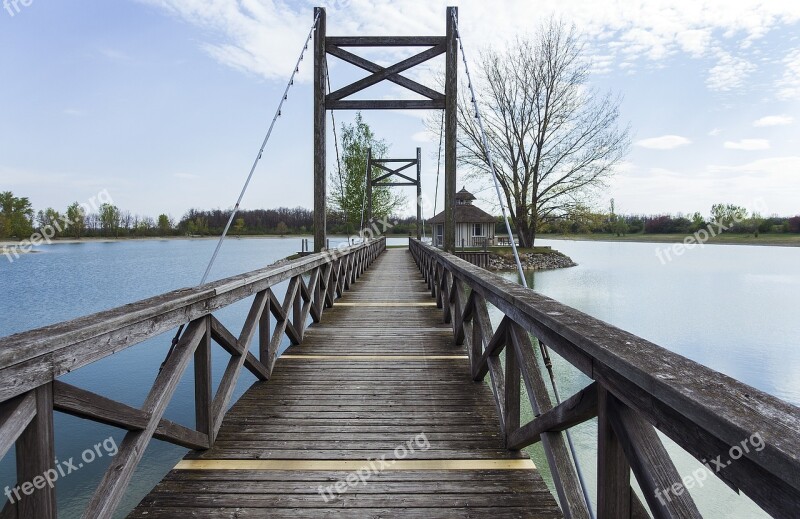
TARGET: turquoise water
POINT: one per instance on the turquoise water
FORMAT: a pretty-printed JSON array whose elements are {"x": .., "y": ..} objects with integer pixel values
[{"x": 730, "y": 307}]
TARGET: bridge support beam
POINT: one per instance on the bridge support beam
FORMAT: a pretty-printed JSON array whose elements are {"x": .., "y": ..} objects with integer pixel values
[
  {"x": 419, "y": 193},
  {"x": 434, "y": 100},
  {"x": 320, "y": 175},
  {"x": 450, "y": 128}
]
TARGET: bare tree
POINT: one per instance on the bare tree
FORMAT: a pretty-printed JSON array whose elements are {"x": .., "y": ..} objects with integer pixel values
[{"x": 553, "y": 139}]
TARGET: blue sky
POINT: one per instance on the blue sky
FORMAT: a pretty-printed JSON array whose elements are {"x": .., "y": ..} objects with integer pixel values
[{"x": 165, "y": 102}]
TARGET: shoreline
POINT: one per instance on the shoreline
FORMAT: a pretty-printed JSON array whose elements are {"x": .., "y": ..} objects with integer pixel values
[
  {"x": 768, "y": 240},
  {"x": 530, "y": 262}
]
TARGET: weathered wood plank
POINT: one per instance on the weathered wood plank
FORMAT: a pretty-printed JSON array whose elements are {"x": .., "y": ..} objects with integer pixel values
[
  {"x": 575, "y": 410},
  {"x": 112, "y": 487},
  {"x": 385, "y": 41},
  {"x": 702, "y": 410},
  {"x": 36, "y": 457},
  {"x": 15, "y": 415},
  {"x": 326, "y": 402},
  {"x": 660, "y": 481}
]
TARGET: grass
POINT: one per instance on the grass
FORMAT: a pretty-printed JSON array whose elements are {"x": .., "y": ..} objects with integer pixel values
[{"x": 786, "y": 240}]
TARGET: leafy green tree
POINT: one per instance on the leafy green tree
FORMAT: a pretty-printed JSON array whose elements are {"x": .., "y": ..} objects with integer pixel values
[
  {"x": 238, "y": 226},
  {"x": 281, "y": 228},
  {"x": 348, "y": 187},
  {"x": 77, "y": 220},
  {"x": 164, "y": 225},
  {"x": 110, "y": 220},
  {"x": 17, "y": 216},
  {"x": 728, "y": 214},
  {"x": 755, "y": 222},
  {"x": 52, "y": 219}
]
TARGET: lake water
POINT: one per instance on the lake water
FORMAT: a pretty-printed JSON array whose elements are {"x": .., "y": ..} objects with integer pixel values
[{"x": 732, "y": 308}]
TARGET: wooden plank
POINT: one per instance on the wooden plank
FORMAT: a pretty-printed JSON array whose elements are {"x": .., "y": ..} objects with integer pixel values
[
  {"x": 559, "y": 458},
  {"x": 91, "y": 406},
  {"x": 385, "y": 104},
  {"x": 320, "y": 121},
  {"x": 385, "y": 41},
  {"x": 36, "y": 457},
  {"x": 613, "y": 471},
  {"x": 349, "y": 465},
  {"x": 450, "y": 127},
  {"x": 15, "y": 415},
  {"x": 703, "y": 411},
  {"x": 575, "y": 410},
  {"x": 369, "y": 66},
  {"x": 360, "y": 386},
  {"x": 231, "y": 344},
  {"x": 116, "y": 478},
  {"x": 37, "y": 357},
  {"x": 203, "y": 390},
  {"x": 658, "y": 478},
  {"x": 377, "y": 77}
]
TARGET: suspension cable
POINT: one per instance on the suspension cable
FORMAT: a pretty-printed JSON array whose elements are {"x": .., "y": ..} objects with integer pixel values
[
  {"x": 338, "y": 160},
  {"x": 438, "y": 170},
  {"x": 489, "y": 160},
  {"x": 247, "y": 182},
  {"x": 543, "y": 347},
  {"x": 260, "y": 151},
  {"x": 364, "y": 198}
]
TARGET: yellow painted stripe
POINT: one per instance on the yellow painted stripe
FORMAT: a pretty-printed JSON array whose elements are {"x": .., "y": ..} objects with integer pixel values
[
  {"x": 382, "y": 303},
  {"x": 375, "y": 357},
  {"x": 350, "y": 465}
]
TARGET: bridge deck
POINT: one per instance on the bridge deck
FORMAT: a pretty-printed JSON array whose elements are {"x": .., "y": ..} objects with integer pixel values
[{"x": 378, "y": 378}]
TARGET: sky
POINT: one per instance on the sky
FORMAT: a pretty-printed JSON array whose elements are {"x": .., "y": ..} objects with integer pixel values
[{"x": 164, "y": 103}]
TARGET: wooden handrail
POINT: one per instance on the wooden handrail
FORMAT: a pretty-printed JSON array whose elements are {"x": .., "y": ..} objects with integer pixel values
[
  {"x": 638, "y": 386},
  {"x": 30, "y": 363}
]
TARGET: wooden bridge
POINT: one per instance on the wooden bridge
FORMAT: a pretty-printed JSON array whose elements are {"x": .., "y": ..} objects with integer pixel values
[{"x": 379, "y": 408}]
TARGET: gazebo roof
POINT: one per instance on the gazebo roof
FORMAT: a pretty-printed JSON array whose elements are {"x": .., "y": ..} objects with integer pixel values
[
  {"x": 466, "y": 213},
  {"x": 465, "y": 195}
]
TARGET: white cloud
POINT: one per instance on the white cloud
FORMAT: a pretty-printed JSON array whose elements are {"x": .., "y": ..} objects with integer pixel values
[
  {"x": 788, "y": 86},
  {"x": 74, "y": 112},
  {"x": 665, "y": 142},
  {"x": 714, "y": 132},
  {"x": 425, "y": 137},
  {"x": 774, "y": 120},
  {"x": 257, "y": 35},
  {"x": 729, "y": 73},
  {"x": 695, "y": 42},
  {"x": 747, "y": 144}
]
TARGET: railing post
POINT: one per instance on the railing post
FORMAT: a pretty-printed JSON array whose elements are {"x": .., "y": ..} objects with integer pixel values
[
  {"x": 265, "y": 331},
  {"x": 320, "y": 176},
  {"x": 203, "y": 392},
  {"x": 613, "y": 470},
  {"x": 35, "y": 458},
  {"x": 512, "y": 396}
]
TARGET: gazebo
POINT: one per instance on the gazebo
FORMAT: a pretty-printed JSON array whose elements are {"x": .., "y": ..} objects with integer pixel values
[{"x": 474, "y": 226}]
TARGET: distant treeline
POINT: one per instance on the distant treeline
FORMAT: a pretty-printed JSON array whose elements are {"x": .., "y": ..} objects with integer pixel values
[
  {"x": 19, "y": 220},
  {"x": 722, "y": 218},
  {"x": 281, "y": 221}
]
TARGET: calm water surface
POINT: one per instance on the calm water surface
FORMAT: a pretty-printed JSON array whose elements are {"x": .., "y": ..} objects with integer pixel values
[{"x": 732, "y": 308}]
